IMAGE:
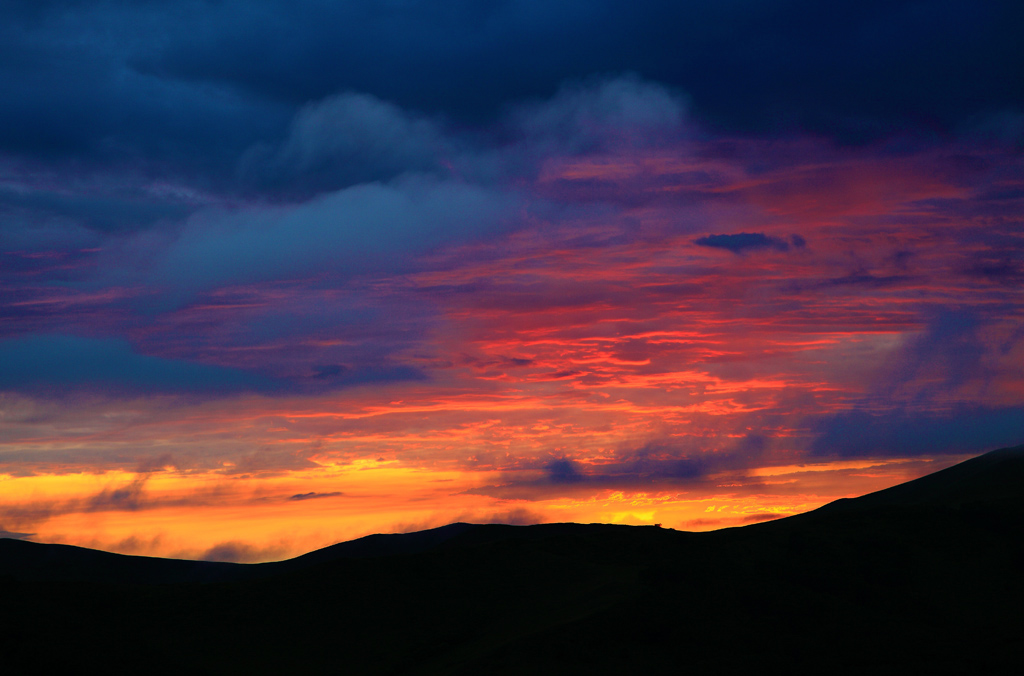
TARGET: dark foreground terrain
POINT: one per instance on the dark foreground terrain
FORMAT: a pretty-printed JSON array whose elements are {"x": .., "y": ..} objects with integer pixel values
[{"x": 925, "y": 577}]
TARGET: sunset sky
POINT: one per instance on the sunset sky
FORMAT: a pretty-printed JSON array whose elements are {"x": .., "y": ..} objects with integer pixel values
[{"x": 279, "y": 274}]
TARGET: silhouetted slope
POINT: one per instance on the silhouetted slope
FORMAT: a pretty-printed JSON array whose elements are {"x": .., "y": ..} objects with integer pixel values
[
  {"x": 374, "y": 545},
  {"x": 40, "y": 562},
  {"x": 974, "y": 498},
  {"x": 993, "y": 477},
  {"x": 922, "y": 578},
  {"x": 33, "y": 561}
]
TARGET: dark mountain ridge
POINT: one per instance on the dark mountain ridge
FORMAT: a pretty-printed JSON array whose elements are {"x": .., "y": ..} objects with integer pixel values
[
  {"x": 924, "y": 576},
  {"x": 997, "y": 476}
]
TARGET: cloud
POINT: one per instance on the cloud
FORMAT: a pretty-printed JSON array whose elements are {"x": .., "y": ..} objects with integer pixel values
[
  {"x": 314, "y": 495},
  {"x": 330, "y": 378},
  {"x": 678, "y": 462},
  {"x": 57, "y": 363},
  {"x": 294, "y": 223},
  {"x": 81, "y": 96},
  {"x": 371, "y": 227},
  {"x": 563, "y": 472},
  {"x": 123, "y": 498},
  {"x": 14, "y": 536},
  {"x": 347, "y": 139},
  {"x": 56, "y": 210},
  {"x": 658, "y": 463},
  {"x": 961, "y": 352},
  {"x": 193, "y": 84},
  {"x": 865, "y": 280},
  {"x": 788, "y": 73},
  {"x": 235, "y": 551},
  {"x": 126, "y": 497},
  {"x": 516, "y": 516},
  {"x": 750, "y": 241},
  {"x": 997, "y": 266},
  {"x": 601, "y": 113},
  {"x": 965, "y": 429}
]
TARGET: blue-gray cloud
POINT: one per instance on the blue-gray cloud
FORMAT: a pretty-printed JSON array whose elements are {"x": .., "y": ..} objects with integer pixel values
[
  {"x": 57, "y": 364},
  {"x": 103, "y": 213},
  {"x": 346, "y": 139},
  {"x": 590, "y": 115},
  {"x": 370, "y": 227},
  {"x": 966, "y": 429},
  {"x": 662, "y": 463}
]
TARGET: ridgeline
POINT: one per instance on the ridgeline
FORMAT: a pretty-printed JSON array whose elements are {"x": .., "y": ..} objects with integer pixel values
[{"x": 924, "y": 577}]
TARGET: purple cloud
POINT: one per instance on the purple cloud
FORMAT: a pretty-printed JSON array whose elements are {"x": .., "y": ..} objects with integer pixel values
[{"x": 750, "y": 241}]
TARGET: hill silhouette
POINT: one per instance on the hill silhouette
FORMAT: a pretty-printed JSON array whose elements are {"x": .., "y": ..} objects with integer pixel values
[{"x": 922, "y": 577}]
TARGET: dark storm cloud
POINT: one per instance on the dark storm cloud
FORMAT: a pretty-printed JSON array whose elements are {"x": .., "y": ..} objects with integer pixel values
[
  {"x": 71, "y": 90},
  {"x": 966, "y": 429},
  {"x": 750, "y": 241},
  {"x": 752, "y": 63},
  {"x": 196, "y": 83}
]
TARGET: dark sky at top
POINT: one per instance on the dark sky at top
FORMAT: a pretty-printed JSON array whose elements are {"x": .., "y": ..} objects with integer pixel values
[{"x": 194, "y": 82}]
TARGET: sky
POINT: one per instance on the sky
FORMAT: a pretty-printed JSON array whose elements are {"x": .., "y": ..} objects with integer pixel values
[{"x": 275, "y": 275}]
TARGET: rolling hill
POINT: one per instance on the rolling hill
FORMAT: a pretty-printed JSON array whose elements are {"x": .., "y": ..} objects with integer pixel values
[{"x": 922, "y": 577}]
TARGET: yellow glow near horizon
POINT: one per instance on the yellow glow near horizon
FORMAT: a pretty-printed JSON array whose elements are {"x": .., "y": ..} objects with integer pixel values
[{"x": 213, "y": 515}]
